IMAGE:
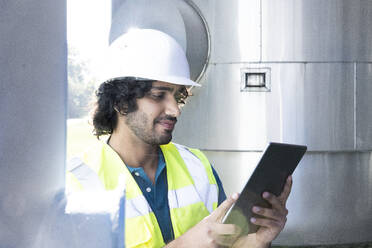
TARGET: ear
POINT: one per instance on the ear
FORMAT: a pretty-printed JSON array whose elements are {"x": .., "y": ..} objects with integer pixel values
[{"x": 120, "y": 112}]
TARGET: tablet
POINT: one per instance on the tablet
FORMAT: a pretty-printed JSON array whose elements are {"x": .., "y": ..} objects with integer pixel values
[{"x": 276, "y": 164}]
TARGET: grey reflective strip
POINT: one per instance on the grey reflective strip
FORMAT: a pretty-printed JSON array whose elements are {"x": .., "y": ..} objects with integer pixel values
[
  {"x": 205, "y": 191},
  {"x": 188, "y": 195},
  {"x": 137, "y": 206},
  {"x": 183, "y": 197},
  {"x": 85, "y": 175},
  {"x": 212, "y": 197}
]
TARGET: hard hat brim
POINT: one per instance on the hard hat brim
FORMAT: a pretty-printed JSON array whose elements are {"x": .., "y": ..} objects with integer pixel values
[{"x": 167, "y": 79}]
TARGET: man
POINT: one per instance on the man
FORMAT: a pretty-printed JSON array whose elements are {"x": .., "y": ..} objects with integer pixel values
[{"x": 174, "y": 197}]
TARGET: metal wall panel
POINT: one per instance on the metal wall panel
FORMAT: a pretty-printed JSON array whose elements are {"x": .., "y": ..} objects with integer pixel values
[
  {"x": 328, "y": 106},
  {"x": 204, "y": 122},
  {"x": 235, "y": 29},
  {"x": 310, "y": 104},
  {"x": 333, "y": 30},
  {"x": 331, "y": 200},
  {"x": 364, "y": 106}
]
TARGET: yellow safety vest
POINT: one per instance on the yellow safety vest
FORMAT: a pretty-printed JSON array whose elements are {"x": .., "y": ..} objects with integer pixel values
[{"x": 192, "y": 190}]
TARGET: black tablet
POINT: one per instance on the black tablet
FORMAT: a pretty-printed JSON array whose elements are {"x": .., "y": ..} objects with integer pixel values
[{"x": 276, "y": 164}]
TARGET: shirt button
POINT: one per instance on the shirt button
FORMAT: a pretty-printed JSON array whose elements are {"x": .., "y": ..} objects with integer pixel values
[
  {"x": 136, "y": 173},
  {"x": 148, "y": 189}
]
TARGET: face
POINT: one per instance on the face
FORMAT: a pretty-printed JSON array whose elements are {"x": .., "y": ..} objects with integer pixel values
[{"x": 154, "y": 120}]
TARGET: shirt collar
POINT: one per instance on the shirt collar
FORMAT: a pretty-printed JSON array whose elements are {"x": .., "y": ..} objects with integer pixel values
[{"x": 161, "y": 165}]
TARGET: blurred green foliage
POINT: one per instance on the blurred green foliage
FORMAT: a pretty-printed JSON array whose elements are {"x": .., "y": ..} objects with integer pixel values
[{"x": 80, "y": 85}]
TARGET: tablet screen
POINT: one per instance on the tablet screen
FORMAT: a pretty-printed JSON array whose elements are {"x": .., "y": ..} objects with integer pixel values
[{"x": 276, "y": 164}]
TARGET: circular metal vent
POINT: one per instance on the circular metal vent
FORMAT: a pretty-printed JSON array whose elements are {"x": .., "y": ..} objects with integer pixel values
[{"x": 183, "y": 20}]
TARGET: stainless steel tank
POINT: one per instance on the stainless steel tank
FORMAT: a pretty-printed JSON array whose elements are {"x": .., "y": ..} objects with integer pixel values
[
  {"x": 297, "y": 72},
  {"x": 291, "y": 71}
]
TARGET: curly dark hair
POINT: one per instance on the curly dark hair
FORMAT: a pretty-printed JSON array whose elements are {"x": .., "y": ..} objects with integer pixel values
[
  {"x": 120, "y": 95},
  {"x": 116, "y": 95}
]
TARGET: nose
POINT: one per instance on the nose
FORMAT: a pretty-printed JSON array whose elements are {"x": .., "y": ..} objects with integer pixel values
[{"x": 172, "y": 108}]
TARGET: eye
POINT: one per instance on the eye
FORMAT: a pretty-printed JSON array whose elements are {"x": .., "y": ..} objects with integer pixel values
[{"x": 157, "y": 95}]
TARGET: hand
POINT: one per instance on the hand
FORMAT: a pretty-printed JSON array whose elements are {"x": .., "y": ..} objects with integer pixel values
[
  {"x": 274, "y": 221},
  {"x": 210, "y": 232}
]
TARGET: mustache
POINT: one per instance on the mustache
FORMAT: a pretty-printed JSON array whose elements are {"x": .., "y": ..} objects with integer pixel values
[{"x": 166, "y": 118}]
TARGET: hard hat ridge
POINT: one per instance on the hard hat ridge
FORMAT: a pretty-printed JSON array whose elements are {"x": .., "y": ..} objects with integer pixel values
[{"x": 149, "y": 54}]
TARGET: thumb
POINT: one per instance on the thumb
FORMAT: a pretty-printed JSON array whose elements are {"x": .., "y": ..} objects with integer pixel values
[{"x": 219, "y": 213}]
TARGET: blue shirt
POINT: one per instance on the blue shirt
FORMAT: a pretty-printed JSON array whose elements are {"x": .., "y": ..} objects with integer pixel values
[{"x": 157, "y": 194}]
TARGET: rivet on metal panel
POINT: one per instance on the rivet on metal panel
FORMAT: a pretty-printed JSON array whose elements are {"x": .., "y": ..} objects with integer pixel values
[{"x": 255, "y": 79}]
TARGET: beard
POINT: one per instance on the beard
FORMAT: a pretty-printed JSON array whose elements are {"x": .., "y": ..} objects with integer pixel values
[{"x": 139, "y": 123}]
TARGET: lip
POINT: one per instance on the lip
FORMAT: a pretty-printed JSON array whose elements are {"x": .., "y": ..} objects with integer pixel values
[{"x": 167, "y": 124}]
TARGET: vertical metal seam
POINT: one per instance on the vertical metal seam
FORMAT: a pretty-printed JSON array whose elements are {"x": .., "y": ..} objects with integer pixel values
[
  {"x": 260, "y": 30},
  {"x": 355, "y": 108}
]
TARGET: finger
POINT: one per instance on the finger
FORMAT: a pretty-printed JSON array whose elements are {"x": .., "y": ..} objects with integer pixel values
[
  {"x": 273, "y": 200},
  {"x": 271, "y": 213},
  {"x": 220, "y": 212},
  {"x": 287, "y": 190},
  {"x": 269, "y": 223}
]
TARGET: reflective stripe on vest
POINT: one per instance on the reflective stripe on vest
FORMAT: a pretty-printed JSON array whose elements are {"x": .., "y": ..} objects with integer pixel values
[
  {"x": 87, "y": 177},
  {"x": 137, "y": 207},
  {"x": 192, "y": 192},
  {"x": 207, "y": 192},
  {"x": 189, "y": 183}
]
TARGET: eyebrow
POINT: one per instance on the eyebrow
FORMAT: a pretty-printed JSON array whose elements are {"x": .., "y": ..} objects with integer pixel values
[{"x": 163, "y": 88}]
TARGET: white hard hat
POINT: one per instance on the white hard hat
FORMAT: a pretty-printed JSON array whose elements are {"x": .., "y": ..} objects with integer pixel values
[{"x": 149, "y": 54}]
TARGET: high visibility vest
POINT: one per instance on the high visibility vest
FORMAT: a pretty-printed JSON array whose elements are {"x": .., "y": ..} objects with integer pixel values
[{"x": 192, "y": 190}]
